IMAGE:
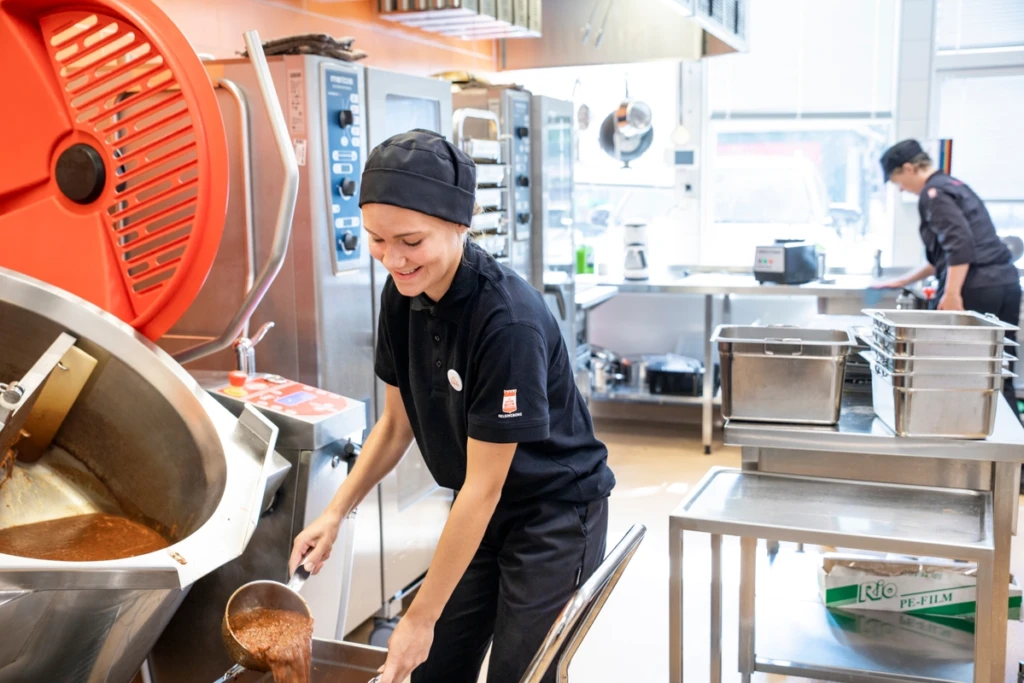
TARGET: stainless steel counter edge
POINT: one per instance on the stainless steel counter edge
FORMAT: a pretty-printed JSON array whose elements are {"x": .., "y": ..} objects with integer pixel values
[
  {"x": 591, "y": 296},
  {"x": 836, "y": 287},
  {"x": 859, "y": 431}
]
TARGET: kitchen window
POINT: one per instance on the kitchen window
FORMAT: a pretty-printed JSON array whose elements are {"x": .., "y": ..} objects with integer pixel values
[
  {"x": 815, "y": 179},
  {"x": 981, "y": 110}
]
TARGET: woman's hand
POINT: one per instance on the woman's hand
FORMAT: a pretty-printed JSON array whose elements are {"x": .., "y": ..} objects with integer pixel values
[
  {"x": 951, "y": 302},
  {"x": 408, "y": 647},
  {"x": 313, "y": 546},
  {"x": 889, "y": 284}
]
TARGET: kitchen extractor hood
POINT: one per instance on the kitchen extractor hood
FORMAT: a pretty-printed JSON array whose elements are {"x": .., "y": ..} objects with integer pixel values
[
  {"x": 582, "y": 32},
  {"x": 468, "y": 19},
  {"x": 577, "y": 32}
]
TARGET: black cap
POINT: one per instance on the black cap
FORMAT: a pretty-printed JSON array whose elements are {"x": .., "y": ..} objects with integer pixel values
[
  {"x": 421, "y": 171},
  {"x": 901, "y": 153}
]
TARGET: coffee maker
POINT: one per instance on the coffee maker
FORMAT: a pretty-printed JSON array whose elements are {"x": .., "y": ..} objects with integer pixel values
[{"x": 635, "y": 238}]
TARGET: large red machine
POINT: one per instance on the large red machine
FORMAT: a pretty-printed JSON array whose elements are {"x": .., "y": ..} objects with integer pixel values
[{"x": 114, "y": 185}]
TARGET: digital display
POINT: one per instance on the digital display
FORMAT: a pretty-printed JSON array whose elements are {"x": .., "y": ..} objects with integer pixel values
[
  {"x": 296, "y": 398},
  {"x": 684, "y": 157}
]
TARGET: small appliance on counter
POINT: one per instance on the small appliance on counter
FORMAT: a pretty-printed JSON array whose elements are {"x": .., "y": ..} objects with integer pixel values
[
  {"x": 635, "y": 239},
  {"x": 787, "y": 262}
]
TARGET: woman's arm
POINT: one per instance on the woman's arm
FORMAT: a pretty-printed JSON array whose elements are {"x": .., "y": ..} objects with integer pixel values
[
  {"x": 486, "y": 469},
  {"x": 384, "y": 448},
  {"x": 952, "y": 299},
  {"x": 927, "y": 270}
]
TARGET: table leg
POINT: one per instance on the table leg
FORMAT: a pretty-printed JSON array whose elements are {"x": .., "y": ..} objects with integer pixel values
[
  {"x": 986, "y": 607},
  {"x": 675, "y": 597},
  {"x": 716, "y": 609},
  {"x": 748, "y": 596},
  {"x": 708, "y": 395},
  {"x": 1005, "y": 501}
]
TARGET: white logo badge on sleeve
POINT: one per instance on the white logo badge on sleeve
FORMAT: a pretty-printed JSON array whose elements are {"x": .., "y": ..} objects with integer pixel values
[{"x": 455, "y": 380}]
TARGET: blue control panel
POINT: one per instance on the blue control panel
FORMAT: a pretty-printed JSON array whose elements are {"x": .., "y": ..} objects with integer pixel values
[
  {"x": 344, "y": 142},
  {"x": 521, "y": 167}
]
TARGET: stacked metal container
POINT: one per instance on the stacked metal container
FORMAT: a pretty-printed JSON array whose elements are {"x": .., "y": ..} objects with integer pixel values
[
  {"x": 938, "y": 373},
  {"x": 782, "y": 373}
]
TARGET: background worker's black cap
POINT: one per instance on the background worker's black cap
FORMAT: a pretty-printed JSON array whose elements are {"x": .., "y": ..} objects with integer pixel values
[
  {"x": 901, "y": 153},
  {"x": 421, "y": 171}
]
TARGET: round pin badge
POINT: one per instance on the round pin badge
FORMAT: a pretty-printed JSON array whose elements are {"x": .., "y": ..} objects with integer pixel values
[{"x": 455, "y": 380}]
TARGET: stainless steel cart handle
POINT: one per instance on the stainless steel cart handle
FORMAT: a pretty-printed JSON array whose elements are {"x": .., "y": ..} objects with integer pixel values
[
  {"x": 579, "y": 614},
  {"x": 285, "y": 212}
]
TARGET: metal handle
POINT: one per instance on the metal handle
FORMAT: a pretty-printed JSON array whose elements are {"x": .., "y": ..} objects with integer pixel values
[
  {"x": 462, "y": 115},
  {"x": 245, "y": 129},
  {"x": 787, "y": 342},
  {"x": 231, "y": 674},
  {"x": 579, "y": 614},
  {"x": 298, "y": 578},
  {"x": 285, "y": 212}
]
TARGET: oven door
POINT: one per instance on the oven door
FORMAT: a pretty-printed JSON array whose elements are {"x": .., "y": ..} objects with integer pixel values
[{"x": 413, "y": 507}]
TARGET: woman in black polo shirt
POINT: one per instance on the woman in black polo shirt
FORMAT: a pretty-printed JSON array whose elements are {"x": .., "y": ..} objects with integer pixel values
[{"x": 476, "y": 371}]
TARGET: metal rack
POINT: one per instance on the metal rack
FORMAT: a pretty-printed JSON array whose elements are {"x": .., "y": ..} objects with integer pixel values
[
  {"x": 923, "y": 521},
  {"x": 861, "y": 454}
]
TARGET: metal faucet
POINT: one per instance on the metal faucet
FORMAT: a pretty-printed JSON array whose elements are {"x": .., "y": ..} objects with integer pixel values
[
  {"x": 245, "y": 350},
  {"x": 877, "y": 270}
]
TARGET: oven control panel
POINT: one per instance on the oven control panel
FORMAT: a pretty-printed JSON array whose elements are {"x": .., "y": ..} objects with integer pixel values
[
  {"x": 345, "y": 145},
  {"x": 519, "y": 128}
]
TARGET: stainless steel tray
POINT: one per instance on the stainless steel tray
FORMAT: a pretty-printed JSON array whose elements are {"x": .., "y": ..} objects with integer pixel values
[
  {"x": 491, "y": 174},
  {"x": 896, "y": 347},
  {"x": 488, "y": 220},
  {"x": 482, "y": 150},
  {"x": 939, "y": 326},
  {"x": 931, "y": 380},
  {"x": 334, "y": 662},
  {"x": 956, "y": 413},
  {"x": 762, "y": 365},
  {"x": 490, "y": 197},
  {"x": 939, "y": 365},
  {"x": 782, "y": 340}
]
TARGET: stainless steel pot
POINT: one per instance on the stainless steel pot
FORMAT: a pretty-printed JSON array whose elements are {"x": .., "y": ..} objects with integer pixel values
[
  {"x": 604, "y": 374},
  {"x": 634, "y": 372},
  {"x": 164, "y": 449}
]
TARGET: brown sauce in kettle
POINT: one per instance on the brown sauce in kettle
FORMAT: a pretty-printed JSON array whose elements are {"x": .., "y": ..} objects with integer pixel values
[
  {"x": 83, "y": 538},
  {"x": 281, "y": 639}
]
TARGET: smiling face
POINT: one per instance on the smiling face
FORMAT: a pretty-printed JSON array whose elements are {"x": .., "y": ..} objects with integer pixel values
[{"x": 421, "y": 252}]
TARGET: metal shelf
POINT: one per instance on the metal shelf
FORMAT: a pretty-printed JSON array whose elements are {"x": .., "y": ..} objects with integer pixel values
[
  {"x": 631, "y": 396},
  {"x": 796, "y": 635}
]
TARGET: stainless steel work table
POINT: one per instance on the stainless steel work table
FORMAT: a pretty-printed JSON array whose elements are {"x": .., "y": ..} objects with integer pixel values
[
  {"x": 710, "y": 285},
  {"x": 862, "y": 448}
]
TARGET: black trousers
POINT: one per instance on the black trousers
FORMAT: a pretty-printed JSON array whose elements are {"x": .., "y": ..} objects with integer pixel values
[
  {"x": 1003, "y": 301},
  {"x": 532, "y": 558}
]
